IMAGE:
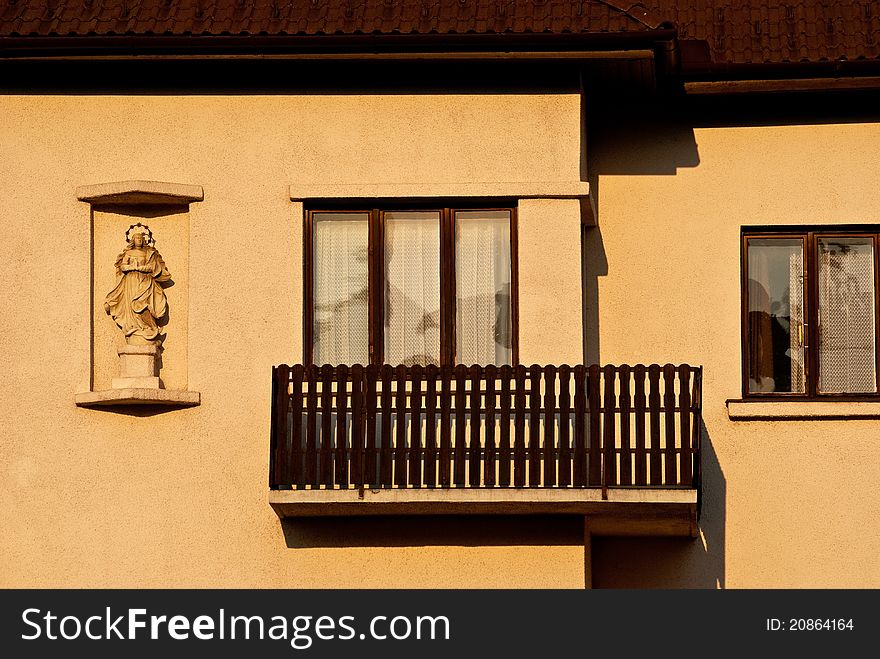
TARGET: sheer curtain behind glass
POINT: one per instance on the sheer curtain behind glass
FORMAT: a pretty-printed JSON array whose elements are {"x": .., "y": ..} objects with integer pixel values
[
  {"x": 412, "y": 288},
  {"x": 341, "y": 304},
  {"x": 776, "y": 315},
  {"x": 846, "y": 315},
  {"x": 482, "y": 287}
]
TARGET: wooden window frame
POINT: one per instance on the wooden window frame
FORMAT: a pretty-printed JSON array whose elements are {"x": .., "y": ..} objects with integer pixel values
[
  {"x": 810, "y": 236},
  {"x": 376, "y": 272}
]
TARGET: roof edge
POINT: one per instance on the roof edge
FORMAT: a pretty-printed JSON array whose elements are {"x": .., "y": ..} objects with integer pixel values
[{"x": 204, "y": 46}]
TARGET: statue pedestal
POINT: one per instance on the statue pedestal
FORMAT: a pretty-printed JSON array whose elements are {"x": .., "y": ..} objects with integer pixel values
[{"x": 138, "y": 367}]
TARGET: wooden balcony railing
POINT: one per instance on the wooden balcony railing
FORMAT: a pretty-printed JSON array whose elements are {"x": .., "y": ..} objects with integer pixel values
[{"x": 361, "y": 427}]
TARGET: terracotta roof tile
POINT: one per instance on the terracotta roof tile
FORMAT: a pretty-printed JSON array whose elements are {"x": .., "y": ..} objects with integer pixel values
[{"x": 736, "y": 31}]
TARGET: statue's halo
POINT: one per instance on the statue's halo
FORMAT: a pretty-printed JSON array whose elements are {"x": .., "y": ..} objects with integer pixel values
[{"x": 139, "y": 228}]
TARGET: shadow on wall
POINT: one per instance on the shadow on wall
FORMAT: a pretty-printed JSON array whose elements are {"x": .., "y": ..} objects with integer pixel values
[
  {"x": 631, "y": 137},
  {"x": 440, "y": 530},
  {"x": 594, "y": 265},
  {"x": 672, "y": 562}
]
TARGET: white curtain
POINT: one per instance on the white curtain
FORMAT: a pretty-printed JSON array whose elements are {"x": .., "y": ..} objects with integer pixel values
[
  {"x": 482, "y": 287},
  {"x": 846, "y": 310},
  {"x": 341, "y": 299},
  {"x": 412, "y": 288}
]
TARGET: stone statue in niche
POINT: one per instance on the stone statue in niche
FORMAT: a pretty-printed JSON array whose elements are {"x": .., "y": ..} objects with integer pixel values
[{"x": 138, "y": 304}]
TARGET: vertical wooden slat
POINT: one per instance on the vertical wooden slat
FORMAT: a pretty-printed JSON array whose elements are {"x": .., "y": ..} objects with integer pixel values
[
  {"x": 697, "y": 428},
  {"x": 671, "y": 478},
  {"x": 355, "y": 471},
  {"x": 279, "y": 435},
  {"x": 296, "y": 404},
  {"x": 474, "y": 470},
  {"x": 276, "y": 448},
  {"x": 341, "y": 459},
  {"x": 506, "y": 373},
  {"x": 550, "y": 454},
  {"x": 609, "y": 403},
  {"x": 519, "y": 427},
  {"x": 311, "y": 457},
  {"x": 371, "y": 376},
  {"x": 655, "y": 472},
  {"x": 445, "y": 467},
  {"x": 684, "y": 415},
  {"x": 534, "y": 425},
  {"x": 431, "y": 426},
  {"x": 580, "y": 407},
  {"x": 564, "y": 459},
  {"x": 324, "y": 452},
  {"x": 595, "y": 458},
  {"x": 625, "y": 408},
  {"x": 460, "y": 421},
  {"x": 400, "y": 420},
  {"x": 386, "y": 453},
  {"x": 641, "y": 457},
  {"x": 489, "y": 457},
  {"x": 415, "y": 435}
]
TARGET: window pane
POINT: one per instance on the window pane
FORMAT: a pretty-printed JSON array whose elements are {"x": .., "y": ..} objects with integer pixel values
[
  {"x": 846, "y": 316},
  {"x": 483, "y": 327},
  {"x": 776, "y": 315},
  {"x": 412, "y": 288},
  {"x": 341, "y": 259}
]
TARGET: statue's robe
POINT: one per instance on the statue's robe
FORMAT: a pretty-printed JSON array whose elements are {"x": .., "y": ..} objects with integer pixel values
[{"x": 138, "y": 300}]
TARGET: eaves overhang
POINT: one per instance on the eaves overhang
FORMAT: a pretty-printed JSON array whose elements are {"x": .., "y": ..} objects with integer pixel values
[
  {"x": 701, "y": 74},
  {"x": 352, "y": 46}
]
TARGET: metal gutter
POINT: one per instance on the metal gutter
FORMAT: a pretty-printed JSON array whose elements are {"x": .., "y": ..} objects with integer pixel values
[
  {"x": 781, "y": 85},
  {"x": 362, "y": 46}
]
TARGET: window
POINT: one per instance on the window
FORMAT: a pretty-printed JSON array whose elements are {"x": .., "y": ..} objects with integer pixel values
[
  {"x": 411, "y": 286},
  {"x": 810, "y": 310}
]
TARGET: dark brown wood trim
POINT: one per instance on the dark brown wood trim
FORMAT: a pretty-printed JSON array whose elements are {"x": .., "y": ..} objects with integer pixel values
[
  {"x": 447, "y": 287},
  {"x": 308, "y": 288},
  {"x": 514, "y": 286},
  {"x": 877, "y": 309},
  {"x": 810, "y": 236},
  {"x": 811, "y": 312},
  {"x": 377, "y": 284},
  {"x": 744, "y": 313}
]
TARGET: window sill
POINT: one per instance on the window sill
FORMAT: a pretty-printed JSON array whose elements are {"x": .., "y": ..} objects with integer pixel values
[{"x": 740, "y": 410}]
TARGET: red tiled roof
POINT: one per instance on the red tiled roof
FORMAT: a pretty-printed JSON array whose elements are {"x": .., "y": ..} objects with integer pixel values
[
  {"x": 765, "y": 31},
  {"x": 731, "y": 31},
  {"x": 314, "y": 17}
]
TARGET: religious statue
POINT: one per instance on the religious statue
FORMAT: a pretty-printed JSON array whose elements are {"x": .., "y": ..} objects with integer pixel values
[{"x": 138, "y": 302}]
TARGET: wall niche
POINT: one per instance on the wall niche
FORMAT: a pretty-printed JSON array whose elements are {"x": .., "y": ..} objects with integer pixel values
[{"x": 140, "y": 250}]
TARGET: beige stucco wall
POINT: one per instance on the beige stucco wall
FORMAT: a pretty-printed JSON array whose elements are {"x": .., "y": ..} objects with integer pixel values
[
  {"x": 787, "y": 503},
  {"x": 99, "y": 498},
  {"x": 96, "y": 498},
  {"x": 550, "y": 326}
]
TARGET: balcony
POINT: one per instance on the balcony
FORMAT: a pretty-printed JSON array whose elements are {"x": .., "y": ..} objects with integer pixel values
[{"x": 620, "y": 444}]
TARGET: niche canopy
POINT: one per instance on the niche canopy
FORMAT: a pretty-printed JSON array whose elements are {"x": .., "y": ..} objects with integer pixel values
[{"x": 140, "y": 193}]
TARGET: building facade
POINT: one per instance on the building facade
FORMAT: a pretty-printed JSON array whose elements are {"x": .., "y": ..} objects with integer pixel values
[{"x": 683, "y": 199}]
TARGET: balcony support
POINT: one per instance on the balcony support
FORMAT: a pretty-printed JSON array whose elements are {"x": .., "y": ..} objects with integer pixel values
[{"x": 626, "y": 511}]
